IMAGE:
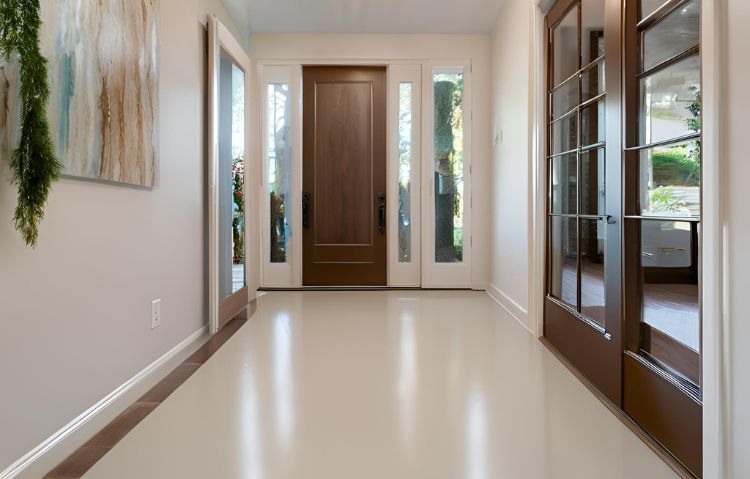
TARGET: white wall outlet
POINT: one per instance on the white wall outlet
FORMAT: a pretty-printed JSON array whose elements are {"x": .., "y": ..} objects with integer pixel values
[{"x": 155, "y": 313}]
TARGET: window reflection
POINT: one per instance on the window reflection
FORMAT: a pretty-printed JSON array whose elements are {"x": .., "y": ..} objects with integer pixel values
[
  {"x": 279, "y": 168},
  {"x": 565, "y": 41},
  {"x": 593, "y": 193},
  {"x": 449, "y": 166},
  {"x": 670, "y": 303},
  {"x": 676, "y": 33},
  {"x": 670, "y": 180},
  {"x": 404, "y": 172},
  {"x": 564, "y": 259},
  {"x": 563, "y": 177},
  {"x": 231, "y": 184},
  {"x": 669, "y": 99},
  {"x": 592, "y": 269}
]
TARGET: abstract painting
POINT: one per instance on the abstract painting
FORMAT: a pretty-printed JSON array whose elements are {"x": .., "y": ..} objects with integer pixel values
[{"x": 103, "y": 72}]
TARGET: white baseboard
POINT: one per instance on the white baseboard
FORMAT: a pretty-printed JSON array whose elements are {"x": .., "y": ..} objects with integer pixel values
[
  {"x": 55, "y": 449},
  {"x": 514, "y": 309}
]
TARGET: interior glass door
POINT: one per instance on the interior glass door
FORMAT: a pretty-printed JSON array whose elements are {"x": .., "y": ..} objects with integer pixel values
[
  {"x": 582, "y": 304},
  {"x": 662, "y": 375},
  {"x": 228, "y": 248}
]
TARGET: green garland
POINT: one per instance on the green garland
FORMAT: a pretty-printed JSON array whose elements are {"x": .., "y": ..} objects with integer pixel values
[{"x": 33, "y": 165}]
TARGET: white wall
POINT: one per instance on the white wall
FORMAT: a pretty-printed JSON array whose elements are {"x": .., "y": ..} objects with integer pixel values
[
  {"x": 735, "y": 103},
  {"x": 512, "y": 88},
  {"x": 417, "y": 48},
  {"x": 75, "y": 312}
]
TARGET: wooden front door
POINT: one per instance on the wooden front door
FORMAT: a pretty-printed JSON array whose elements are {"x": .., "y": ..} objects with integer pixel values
[{"x": 344, "y": 176}]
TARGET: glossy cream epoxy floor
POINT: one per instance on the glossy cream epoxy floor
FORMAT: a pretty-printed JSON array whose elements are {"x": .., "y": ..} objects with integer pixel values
[{"x": 375, "y": 385}]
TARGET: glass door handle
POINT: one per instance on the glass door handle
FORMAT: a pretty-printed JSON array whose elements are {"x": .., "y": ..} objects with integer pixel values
[{"x": 381, "y": 212}]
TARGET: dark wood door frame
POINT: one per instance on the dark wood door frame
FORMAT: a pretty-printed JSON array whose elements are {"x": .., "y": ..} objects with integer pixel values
[
  {"x": 595, "y": 350},
  {"x": 344, "y": 176}
]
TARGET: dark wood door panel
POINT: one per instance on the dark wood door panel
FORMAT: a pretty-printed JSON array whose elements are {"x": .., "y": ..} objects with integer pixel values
[
  {"x": 344, "y": 200},
  {"x": 344, "y": 173},
  {"x": 586, "y": 348},
  {"x": 670, "y": 415}
]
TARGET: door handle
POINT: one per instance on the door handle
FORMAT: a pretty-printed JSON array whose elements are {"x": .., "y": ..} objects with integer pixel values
[
  {"x": 306, "y": 209},
  {"x": 381, "y": 212}
]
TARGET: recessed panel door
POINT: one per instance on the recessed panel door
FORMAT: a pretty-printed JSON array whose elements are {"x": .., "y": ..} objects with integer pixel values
[{"x": 344, "y": 176}]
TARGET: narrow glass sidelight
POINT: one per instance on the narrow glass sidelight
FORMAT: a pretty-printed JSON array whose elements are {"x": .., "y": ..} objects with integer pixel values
[
  {"x": 405, "y": 160},
  {"x": 279, "y": 157},
  {"x": 449, "y": 166}
]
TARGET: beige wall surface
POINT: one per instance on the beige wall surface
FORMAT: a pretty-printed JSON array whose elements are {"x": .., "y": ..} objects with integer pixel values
[
  {"x": 512, "y": 88},
  {"x": 75, "y": 312}
]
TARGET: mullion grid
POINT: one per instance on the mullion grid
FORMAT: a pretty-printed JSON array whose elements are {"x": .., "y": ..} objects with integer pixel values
[{"x": 578, "y": 151}]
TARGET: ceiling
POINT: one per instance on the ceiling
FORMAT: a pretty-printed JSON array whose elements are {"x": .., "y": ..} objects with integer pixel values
[{"x": 366, "y": 16}]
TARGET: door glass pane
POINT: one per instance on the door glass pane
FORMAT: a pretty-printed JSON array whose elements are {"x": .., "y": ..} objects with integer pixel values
[
  {"x": 563, "y": 178},
  {"x": 676, "y": 33},
  {"x": 449, "y": 166},
  {"x": 670, "y": 304},
  {"x": 670, "y": 180},
  {"x": 565, "y": 48},
  {"x": 565, "y": 98},
  {"x": 231, "y": 177},
  {"x": 650, "y": 6},
  {"x": 404, "y": 172},
  {"x": 592, "y": 30},
  {"x": 592, "y": 123},
  {"x": 279, "y": 168},
  {"x": 592, "y": 269},
  {"x": 564, "y": 134},
  {"x": 592, "y": 182},
  {"x": 670, "y": 102},
  {"x": 592, "y": 81},
  {"x": 564, "y": 260}
]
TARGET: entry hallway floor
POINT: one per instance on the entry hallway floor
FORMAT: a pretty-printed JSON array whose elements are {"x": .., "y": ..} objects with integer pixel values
[{"x": 381, "y": 385}]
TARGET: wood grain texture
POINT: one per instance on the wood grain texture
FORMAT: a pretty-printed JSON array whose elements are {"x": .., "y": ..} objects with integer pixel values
[{"x": 344, "y": 170}]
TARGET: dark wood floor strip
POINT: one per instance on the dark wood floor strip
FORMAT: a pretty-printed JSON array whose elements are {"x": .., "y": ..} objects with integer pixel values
[{"x": 84, "y": 458}]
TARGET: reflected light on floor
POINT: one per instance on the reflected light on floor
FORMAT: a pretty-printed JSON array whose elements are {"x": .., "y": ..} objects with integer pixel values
[{"x": 283, "y": 381}]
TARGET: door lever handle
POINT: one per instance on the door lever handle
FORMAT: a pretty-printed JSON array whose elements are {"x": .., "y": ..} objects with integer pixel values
[
  {"x": 381, "y": 212},
  {"x": 306, "y": 210}
]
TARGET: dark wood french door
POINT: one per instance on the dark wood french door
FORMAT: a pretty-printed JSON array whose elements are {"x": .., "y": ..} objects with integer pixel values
[
  {"x": 582, "y": 305},
  {"x": 344, "y": 176},
  {"x": 624, "y": 210}
]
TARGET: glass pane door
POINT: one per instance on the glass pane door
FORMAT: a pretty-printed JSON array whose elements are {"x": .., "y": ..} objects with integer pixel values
[
  {"x": 582, "y": 304},
  {"x": 231, "y": 181},
  {"x": 662, "y": 374}
]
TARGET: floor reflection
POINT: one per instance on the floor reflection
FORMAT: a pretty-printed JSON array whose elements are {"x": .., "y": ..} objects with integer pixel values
[{"x": 373, "y": 385}]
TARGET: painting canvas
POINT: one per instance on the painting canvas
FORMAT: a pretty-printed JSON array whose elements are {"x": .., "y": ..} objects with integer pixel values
[{"x": 103, "y": 72}]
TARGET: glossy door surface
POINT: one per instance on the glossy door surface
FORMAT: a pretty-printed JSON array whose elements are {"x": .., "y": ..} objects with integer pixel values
[{"x": 344, "y": 176}]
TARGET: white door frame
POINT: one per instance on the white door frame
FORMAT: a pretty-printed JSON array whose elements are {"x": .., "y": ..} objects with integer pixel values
[
  {"x": 404, "y": 274},
  {"x": 444, "y": 275},
  {"x": 440, "y": 275},
  {"x": 220, "y": 38}
]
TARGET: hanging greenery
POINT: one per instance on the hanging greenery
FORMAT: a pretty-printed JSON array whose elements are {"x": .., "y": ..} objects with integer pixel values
[{"x": 33, "y": 165}]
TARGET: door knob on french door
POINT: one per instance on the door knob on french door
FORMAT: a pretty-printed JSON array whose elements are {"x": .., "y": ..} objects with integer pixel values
[
  {"x": 381, "y": 212},
  {"x": 306, "y": 209}
]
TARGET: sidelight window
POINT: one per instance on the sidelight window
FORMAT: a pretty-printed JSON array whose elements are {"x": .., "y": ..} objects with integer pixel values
[
  {"x": 405, "y": 160},
  {"x": 448, "y": 91},
  {"x": 279, "y": 157}
]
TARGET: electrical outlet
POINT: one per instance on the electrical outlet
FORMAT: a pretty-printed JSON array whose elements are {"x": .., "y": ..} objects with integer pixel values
[{"x": 155, "y": 313}]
